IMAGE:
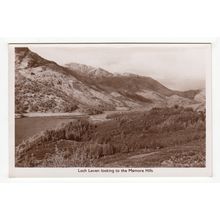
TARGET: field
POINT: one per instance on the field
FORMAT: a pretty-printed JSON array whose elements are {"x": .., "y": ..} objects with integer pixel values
[{"x": 161, "y": 137}]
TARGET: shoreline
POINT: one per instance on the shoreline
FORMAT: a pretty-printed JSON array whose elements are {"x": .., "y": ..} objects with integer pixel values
[
  {"x": 64, "y": 114},
  {"x": 49, "y": 114}
]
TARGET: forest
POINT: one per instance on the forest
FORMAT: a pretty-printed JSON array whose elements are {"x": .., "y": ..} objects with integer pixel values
[{"x": 177, "y": 134}]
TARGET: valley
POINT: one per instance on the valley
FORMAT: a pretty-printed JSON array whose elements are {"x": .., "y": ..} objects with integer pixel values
[{"x": 81, "y": 116}]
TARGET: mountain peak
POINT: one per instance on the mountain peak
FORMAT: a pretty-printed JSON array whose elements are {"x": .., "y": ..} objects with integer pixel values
[
  {"x": 25, "y": 58},
  {"x": 129, "y": 74},
  {"x": 20, "y": 53},
  {"x": 21, "y": 49},
  {"x": 89, "y": 70},
  {"x": 79, "y": 67}
]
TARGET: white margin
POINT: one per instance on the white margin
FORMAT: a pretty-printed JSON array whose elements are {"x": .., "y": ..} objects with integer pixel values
[{"x": 58, "y": 172}]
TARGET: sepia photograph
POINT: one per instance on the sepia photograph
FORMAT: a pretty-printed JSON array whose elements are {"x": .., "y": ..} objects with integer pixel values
[{"x": 110, "y": 105}]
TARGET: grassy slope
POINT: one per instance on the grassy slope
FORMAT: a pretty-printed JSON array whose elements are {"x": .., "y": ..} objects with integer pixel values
[{"x": 174, "y": 137}]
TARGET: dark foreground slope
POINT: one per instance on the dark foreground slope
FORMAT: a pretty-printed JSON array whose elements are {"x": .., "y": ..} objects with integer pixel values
[{"x": 166, "y": 137}]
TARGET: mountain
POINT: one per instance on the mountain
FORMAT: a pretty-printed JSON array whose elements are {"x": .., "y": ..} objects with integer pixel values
[
  {"x": 89, "y": 70},
  {"x": 125, "y": 82},
  {"x": 42, "y": 85}
]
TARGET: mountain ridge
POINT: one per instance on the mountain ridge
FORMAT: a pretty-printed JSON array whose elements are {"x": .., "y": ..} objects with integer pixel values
[
  {"x": 43, "y": 86},
  {"x": 119, "y": 76}
]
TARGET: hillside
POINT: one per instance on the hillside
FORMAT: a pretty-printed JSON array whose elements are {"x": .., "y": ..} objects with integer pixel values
[
  {"x": 167, "y": 137},
  {"x": 124, "y": 82},
  {"x": 44, "y": 86}
]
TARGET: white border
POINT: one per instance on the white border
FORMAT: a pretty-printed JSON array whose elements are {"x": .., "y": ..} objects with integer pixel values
[{"x": 73, "y": 172}]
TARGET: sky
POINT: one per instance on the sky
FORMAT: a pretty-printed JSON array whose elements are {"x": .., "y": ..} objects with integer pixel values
[{"x": 177, "y": 66}]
